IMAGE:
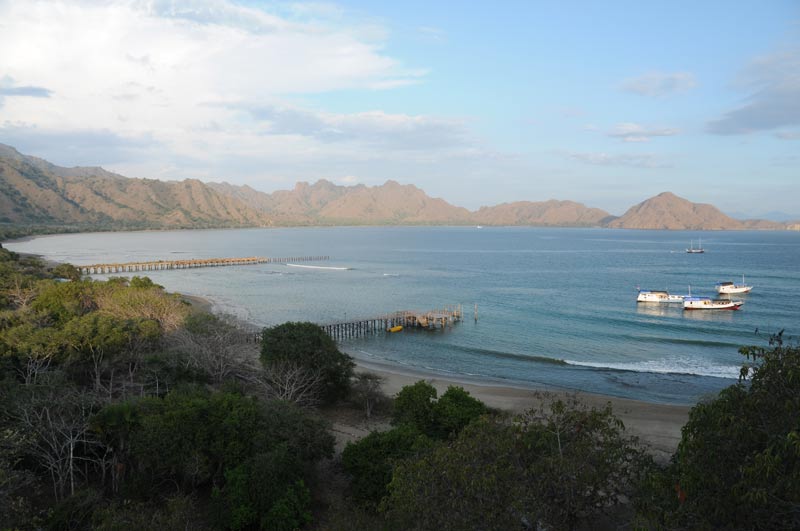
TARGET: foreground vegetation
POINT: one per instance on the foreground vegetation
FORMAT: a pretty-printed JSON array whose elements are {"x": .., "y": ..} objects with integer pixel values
[{"x": 122, "y": 408}]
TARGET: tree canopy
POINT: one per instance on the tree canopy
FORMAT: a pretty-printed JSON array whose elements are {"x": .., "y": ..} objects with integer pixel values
[
  {"x": 307, "y": 345},
  {"x": 738, "y": 462}
]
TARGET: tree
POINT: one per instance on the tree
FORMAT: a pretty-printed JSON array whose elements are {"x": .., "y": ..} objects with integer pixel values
[
  {"x": 293, "y": 382},
  {"x": 370, "y": 461},
  {"x": 454, "y": 410},
  {"x": 92, "y": 339},
  {"x": 264, "y": 492},
  {"x": 142, "y": 300},
  {"x": 738, "y": 462},
  {"x": 417, "y": 405},
  {"x": 553, "y": 468},
  {"x": 414, "y": 405},
  {"x": 309, "y": 346},
  {"x": 213, "y": 345},
  {"x": 57, "y": 424},
  {"x": 366, "y": 391},
  {"x": 192, "y": 436},
  {"x": 67, "y": 271},
  {"x": 34, "y": 346}
]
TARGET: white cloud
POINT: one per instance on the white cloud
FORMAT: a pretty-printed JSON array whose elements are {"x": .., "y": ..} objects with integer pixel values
[
  {"x": 632, "y": 132},
  {"x": 647, "y": 160},
  {"x": 788, "y": 135},
  {"x": 181, "y": 74},
  {"x": 660, "y": 84}
]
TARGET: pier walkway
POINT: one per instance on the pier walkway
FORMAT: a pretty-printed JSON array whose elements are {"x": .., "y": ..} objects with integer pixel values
[
  {"x": 162, "y": 265},
  {"x": 442, "y": 318},
  {"x": 433, "y": 319}
]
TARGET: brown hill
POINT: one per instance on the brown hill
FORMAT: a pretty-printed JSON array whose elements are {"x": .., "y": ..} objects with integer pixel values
[
  {"x": 668, "y": 211},
  {"x": 763, "y": 224},
  {"x": 325, "y": 203},
  {"x": 34, "y": 191},
  {"x": 546, "y": 213}
]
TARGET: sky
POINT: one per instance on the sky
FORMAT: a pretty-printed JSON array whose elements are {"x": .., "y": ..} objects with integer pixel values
[{"x": 479, "y": 103}]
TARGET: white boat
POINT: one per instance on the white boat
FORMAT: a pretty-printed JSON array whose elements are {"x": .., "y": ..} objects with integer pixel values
[
  {"x": 730, "y": 287},
  {"x": 661, "y": 296},
  {"x": 707, "y": 303},
  {"x": 693, "y": 250}
]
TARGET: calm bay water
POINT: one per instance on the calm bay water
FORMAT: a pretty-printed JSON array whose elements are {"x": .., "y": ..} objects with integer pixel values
[{"x": 557, "y": 307}]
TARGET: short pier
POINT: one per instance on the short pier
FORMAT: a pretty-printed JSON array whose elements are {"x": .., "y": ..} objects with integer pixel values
[
  {"x": 163, "y": 265},
  {"x": 447, "y": 316},
  {"x": 442, "y": 318}
]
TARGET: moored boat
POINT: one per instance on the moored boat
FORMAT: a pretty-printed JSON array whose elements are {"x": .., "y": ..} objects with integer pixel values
[
  {"x": 707, "y": 303},
  {"x": 731, "y": 287},
  {"x": 661, "y": 296},
  {"x": 695, "y": 250}
]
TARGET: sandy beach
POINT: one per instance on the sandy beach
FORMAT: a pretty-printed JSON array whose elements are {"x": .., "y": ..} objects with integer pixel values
[{"x": 657, "y": 425}]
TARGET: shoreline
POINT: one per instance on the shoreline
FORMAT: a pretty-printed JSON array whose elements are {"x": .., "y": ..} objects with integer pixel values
[{"x": 658, "y": 426}]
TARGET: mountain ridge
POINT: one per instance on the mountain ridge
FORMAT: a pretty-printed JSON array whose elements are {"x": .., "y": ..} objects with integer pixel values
[{"x": 35, "y": 191}]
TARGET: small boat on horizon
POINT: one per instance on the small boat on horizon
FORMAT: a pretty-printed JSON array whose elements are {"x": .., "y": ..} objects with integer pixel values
[
  {"x": 730, "y": 287},
  {"x": 693, "y": 250},
  {"x": 707, "y": 303}
]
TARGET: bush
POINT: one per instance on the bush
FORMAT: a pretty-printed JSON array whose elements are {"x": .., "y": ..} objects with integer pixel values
[
  {"x": 553, "y": 468},
  {"x": 416, "y": 405},
  {"x": 371, "y": 460},
  {"x": 264, "y": 492},
  {"x": 738, "y": 462}
]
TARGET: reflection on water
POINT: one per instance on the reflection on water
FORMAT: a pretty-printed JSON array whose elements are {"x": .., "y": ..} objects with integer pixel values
[
  {"x": 710, "y": 315},
  {"x": 657, "y": 309}
]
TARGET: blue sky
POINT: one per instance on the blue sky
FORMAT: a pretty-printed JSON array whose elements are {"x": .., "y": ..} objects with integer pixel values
[{"x": 606, "y": 103}]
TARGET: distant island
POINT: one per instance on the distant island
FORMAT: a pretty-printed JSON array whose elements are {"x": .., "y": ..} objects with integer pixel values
[{"x": 42, "y": 197}]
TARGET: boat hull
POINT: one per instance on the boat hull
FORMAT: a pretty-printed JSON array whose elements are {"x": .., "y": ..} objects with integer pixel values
[{"x": 711, "y": 304}]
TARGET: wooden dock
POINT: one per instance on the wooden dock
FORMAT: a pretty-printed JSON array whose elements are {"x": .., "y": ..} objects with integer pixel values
[
  {"x": 434, "y": 319},
  {"x": 163, "y": 265},
  {"x": 441, "y": 318}
]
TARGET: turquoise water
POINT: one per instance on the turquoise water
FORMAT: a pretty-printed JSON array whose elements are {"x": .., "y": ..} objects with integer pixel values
[{"x": 557, "y": 307}]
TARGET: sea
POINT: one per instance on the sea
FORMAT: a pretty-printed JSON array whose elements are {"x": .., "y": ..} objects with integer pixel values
[{"x": 547, "y": 308}]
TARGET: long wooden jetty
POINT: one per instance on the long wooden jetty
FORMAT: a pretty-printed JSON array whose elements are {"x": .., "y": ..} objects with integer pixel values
[{"x": 162, "y": 265}]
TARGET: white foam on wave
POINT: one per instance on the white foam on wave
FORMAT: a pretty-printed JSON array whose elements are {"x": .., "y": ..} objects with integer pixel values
[
  {"x": 320, "y": 267},
  {"x": 667, "y": 366}
]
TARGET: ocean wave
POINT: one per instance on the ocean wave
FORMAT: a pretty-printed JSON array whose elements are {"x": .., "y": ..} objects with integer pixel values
[
  {"x": 320, "y": 267},
  {"x": 683, "y": 366},
  {"x": 688, "y": 342},
  {"x": 511, "y": 355}
]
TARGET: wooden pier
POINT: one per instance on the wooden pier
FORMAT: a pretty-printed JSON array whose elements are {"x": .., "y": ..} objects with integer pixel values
[
  {"x": 442, "y": 318},
  {"x": 163, "y": 265},
  {"x": 434, "y": 319}
]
